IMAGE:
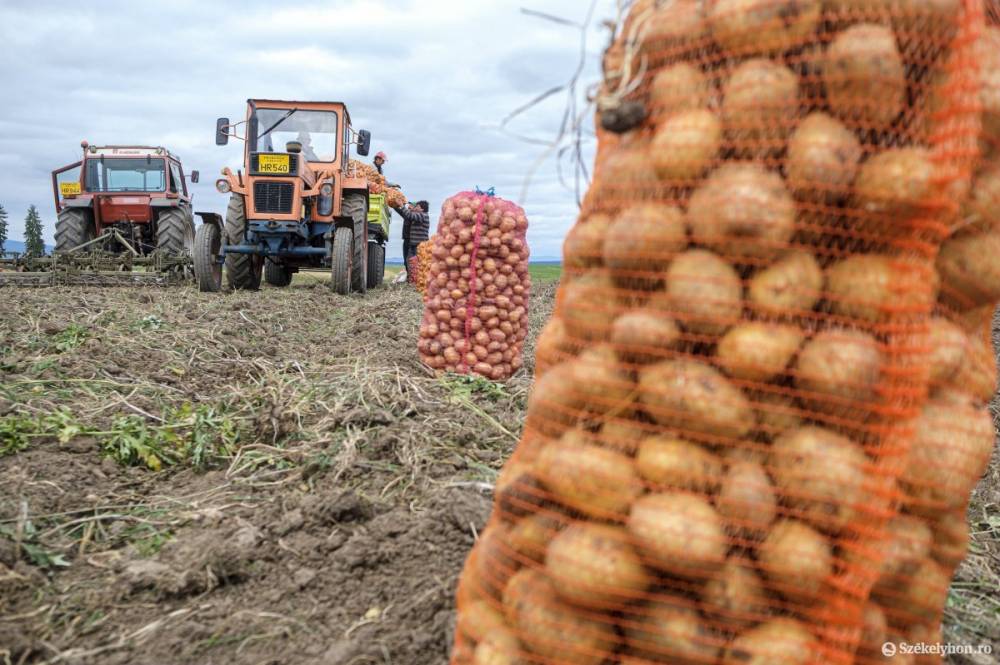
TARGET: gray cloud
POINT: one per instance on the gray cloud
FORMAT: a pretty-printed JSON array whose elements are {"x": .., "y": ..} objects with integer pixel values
[{"x": 431, "y": 79}]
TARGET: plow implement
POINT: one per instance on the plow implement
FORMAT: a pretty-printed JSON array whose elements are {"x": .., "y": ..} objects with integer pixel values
[{"x": 96, "y": 268}]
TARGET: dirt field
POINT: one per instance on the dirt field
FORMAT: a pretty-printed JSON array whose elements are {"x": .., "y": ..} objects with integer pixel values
[{"x": 317, "y": 492}]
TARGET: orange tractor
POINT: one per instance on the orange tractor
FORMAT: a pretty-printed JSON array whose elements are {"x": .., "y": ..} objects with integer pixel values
[
  {"x": 295, "y": 204},
  {"x": 124, "y": 200}
]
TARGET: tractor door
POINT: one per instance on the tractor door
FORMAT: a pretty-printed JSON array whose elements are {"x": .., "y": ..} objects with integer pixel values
[{"x": 67, "y": 181}]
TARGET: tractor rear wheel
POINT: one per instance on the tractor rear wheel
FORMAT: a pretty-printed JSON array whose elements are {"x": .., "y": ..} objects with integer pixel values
[
  {"x": 376, "y": 264},
  {"x": 175, "y": 232},
  {"x": 242, "y": 270},
  {"x": 276, "y": 274},
  {"x": 342, "y": 260},
  {"x": 73, "y": 228},
  {"x": 207, "y": 269},
  {"x": 355, "y": 206}
]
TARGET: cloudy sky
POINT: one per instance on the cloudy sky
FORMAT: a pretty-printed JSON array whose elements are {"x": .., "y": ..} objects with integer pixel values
[{"x": 431, "y": 79}]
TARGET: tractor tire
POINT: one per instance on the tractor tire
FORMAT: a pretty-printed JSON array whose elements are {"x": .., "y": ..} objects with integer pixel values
[
  {"x": 355, "y": 206},
  {"x": 276, "y": 274},
  {"x": 73, "y": 228},
  {"x": 175, "y": 232},
  {"x": 342, "y": 258},
  {"x": 243, "y": 271},
  {"x": 207, "y": 269},
  {"x": 376, "y": 264}
]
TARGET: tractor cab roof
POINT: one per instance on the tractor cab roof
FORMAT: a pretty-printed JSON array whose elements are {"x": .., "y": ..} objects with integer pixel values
[
  {"x": 129, "y": 151},
  {"x": 305, "y": 106}
]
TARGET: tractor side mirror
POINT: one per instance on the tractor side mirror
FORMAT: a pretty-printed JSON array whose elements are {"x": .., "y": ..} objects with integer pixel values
[
  {"x": 222, "y": 131},
  {"x": 195, "y": 177},
  {"x": 364, "y": 142}
]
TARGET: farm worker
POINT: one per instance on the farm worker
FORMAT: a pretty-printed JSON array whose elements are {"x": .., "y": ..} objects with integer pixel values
[
  {"x": 306, "y": 140},
  {"x": 416, "y": 229},
  {"x": 379, "y": 161}
]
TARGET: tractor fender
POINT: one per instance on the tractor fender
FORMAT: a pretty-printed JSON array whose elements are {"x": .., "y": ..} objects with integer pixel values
[
  {"x": 86, "y": 203},
  {"x": 211, "y": 218},
  {"x": 164, "y": 203}
]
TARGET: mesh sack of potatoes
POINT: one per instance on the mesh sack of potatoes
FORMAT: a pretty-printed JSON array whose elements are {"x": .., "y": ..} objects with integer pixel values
[
  {"x": 478, "y": 286},
  {"x": 422, "y": 263},
  {"x": 756, "y": 352}
]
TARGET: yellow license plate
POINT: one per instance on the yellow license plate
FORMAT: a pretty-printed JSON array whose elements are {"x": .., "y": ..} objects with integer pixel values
[
  {"x": 69, "y": 188},
  {"x": 273, "y": 164}
]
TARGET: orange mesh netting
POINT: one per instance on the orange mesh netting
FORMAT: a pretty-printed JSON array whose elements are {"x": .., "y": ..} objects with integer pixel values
[
  {"x": 476, "y": 306},
  {"x": 421, "y": 264},
  {"x": 760, "y": 404}
]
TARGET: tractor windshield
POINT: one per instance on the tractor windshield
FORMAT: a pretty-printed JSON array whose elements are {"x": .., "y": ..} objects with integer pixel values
[
  {"x": 315, "y": 130},
  {"x": 126, "y": 175}
]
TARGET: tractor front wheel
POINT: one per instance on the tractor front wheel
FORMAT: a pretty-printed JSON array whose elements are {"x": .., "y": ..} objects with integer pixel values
[
  {"x": 73, "y": 228},
  {"x": 342, "y": 258},
  {"x": 276, "y": 274},
  {"x": 355, "y": 206},
  {"x": 376, "y": 264},
  {"x": 242, "y": 270},
  {"x": 207, "y": 269}
]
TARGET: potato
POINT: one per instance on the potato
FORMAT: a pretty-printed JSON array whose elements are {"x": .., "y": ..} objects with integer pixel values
[
  {"x": 584, "y": 243},
  {"x": 877, "y": 288},
  {"x": 951, "y": 449},
  {"x": 753, "y": 27},
  {"x": 679, "y": 87},
  {"x": 668, "y": 462},
  {"x": 747, "y": 500},
  {"x": 796, "y": 560},
  {"x": 530, "y": 536},
  {"x": 951, "y": 540},
  {"x": 758, "y": 351},
  {"x": 693, "y": 397},
  {"x": 668, "y": 632},
  {"x": 928, "y": 25},
  {"x": 776, "y": 413},
  {"x": 588, "y": 307},
  {"x": 968, "y": 267},
  {"x": 874, "y": 633},
  {"x": 703, "y": 292},
  {"x": 760, "y": 106},
  {"x": 840, "y": 369},
  {"x": 977, "y": 375},
  {"x": 517, "y": 488},
  {"x": 780, "y": 641},
  {"x": 981, "y": 212},
  {"x": 685, "y": 146},
  {"x": 595, "y": 565},
  {"x": 479, "y": 618},
  {"x": 602, "y": 383},
  {"x": 743, "y": 212},
  {"x": 908, "y": 544},
  {"x": 674, "y": 27},
  {"x": 551, "y": 628},
  {"x": 989, "y": 92},
  {"x": 494, "y": 563},
  {"x": 894, "y": 186},
  {"x": 821, "y": 475},
  {"x": 553, "y": 346},
  {"x": 555, "y": 404},
  {"x": 642, "y": 336},
  {"x": 623, "y": 434},
  {"x": 922, "y": 597},
  {"x": 946, "y": 344},
  {"x": 791, "y": 286},
  {"x": 864, "y": 77},
  {"x": 736, "y": 596},
  {"x": 598, "y": 482},
  {"x": 822, "y": 162},
  {"x": 501, "y": 647},
  {"x": 679, "y": 533},
  {"x": 644, "y": 239}
]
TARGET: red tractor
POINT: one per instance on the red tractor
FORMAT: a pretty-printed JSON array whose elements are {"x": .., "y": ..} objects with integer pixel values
[{"x": 124, "y": 199}]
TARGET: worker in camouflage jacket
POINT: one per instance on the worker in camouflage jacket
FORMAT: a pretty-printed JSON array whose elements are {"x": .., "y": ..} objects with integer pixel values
[{"x": 416, "y": 228}]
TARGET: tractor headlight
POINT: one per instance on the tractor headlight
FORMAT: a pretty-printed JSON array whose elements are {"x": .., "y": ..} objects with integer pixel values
[
  {"x": 326, "y": 189},
  {"x": 223, "y": 186}
]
